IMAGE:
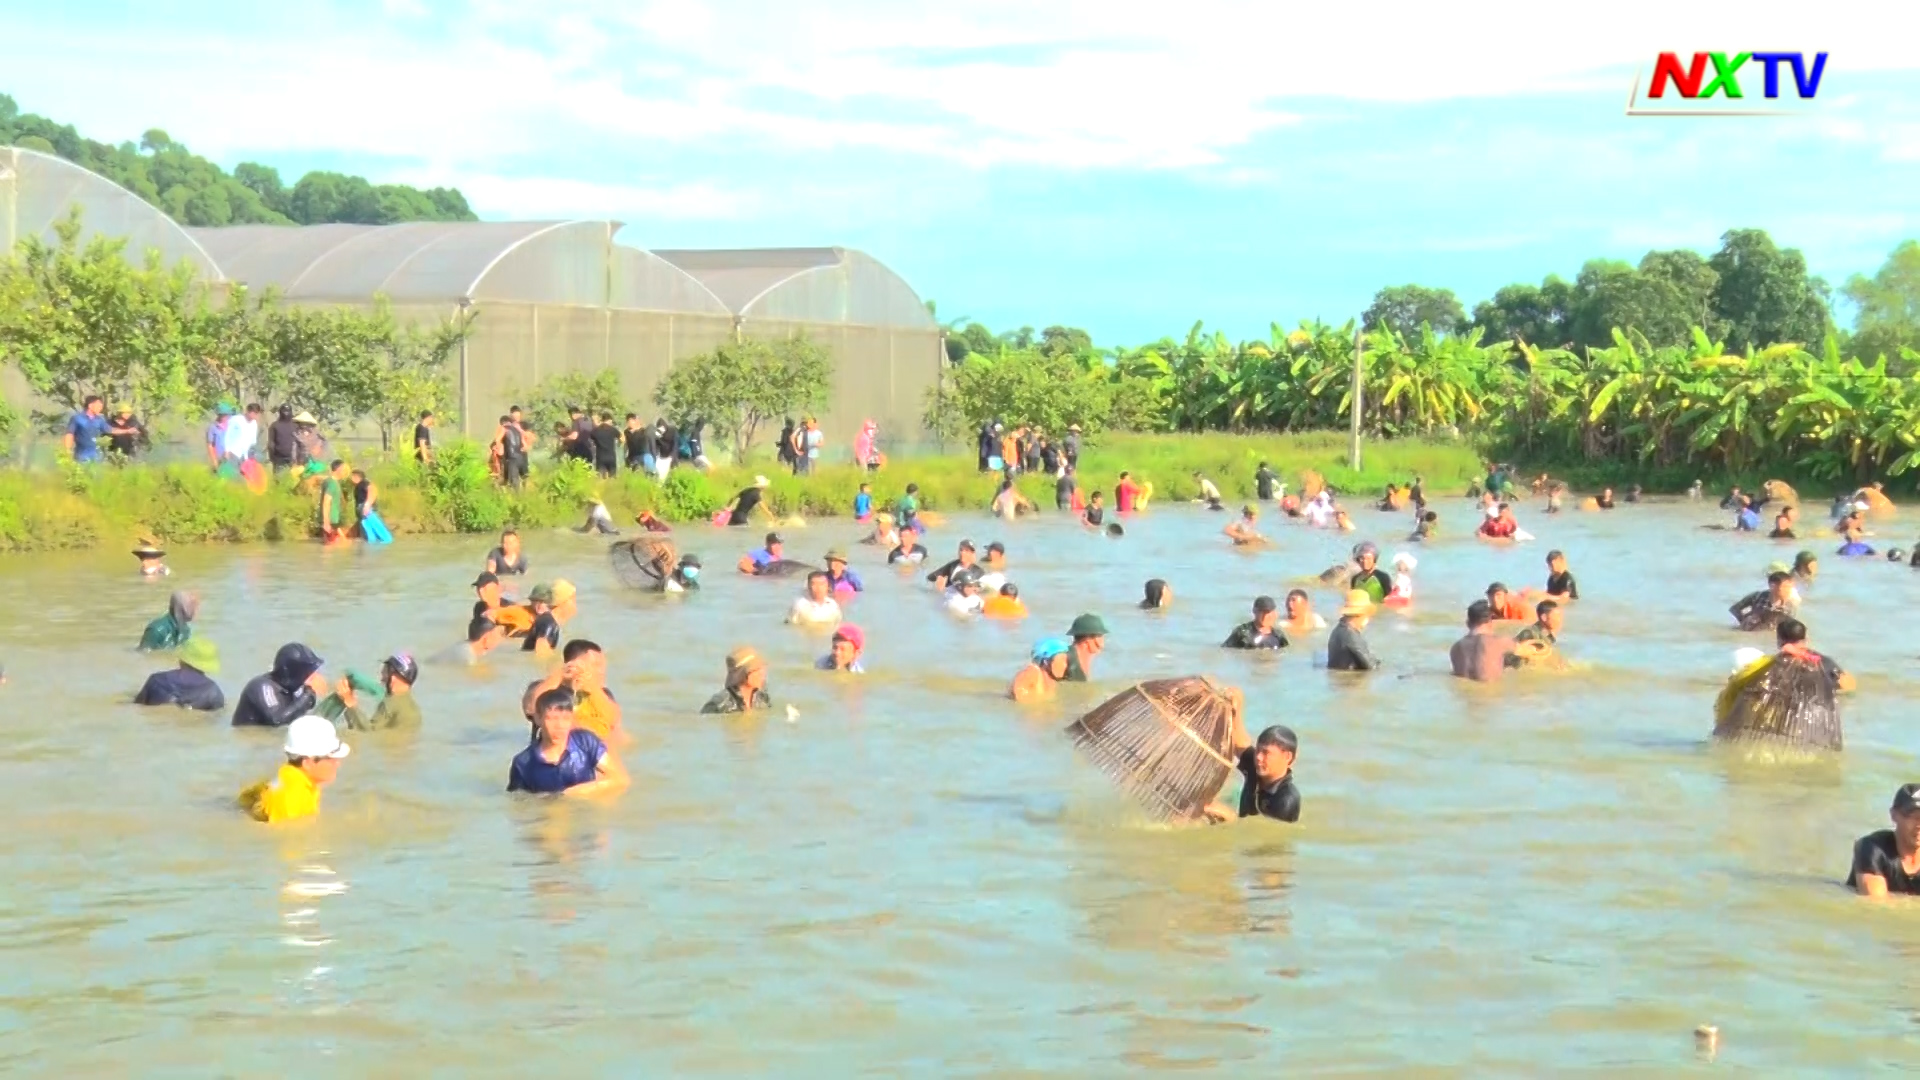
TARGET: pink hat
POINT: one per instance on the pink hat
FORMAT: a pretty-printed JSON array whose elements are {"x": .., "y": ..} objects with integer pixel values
[{"x": 852, "y": 635}]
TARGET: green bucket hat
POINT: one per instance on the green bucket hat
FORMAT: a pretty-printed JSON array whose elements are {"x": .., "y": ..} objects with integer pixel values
[
  {"x": 1088, "y": 626},
  {"x": 201, "y": 655},
  {"x": 541, "y": 594}
]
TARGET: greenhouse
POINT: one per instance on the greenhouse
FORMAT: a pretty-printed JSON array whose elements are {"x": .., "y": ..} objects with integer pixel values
[
  {"x": 38, "y": 191},
  {"x": 555, "y": 297}
]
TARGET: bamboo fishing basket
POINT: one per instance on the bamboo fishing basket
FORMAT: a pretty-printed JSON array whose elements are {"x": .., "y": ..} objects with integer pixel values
[
  {"x": 1792, "y": 703},
  {"x": 1167, "y": 743},
  {"x": 643, "y": 562}
]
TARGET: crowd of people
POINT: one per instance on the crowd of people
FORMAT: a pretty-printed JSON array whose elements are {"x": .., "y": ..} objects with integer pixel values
[{"x": 575, "y": 721}]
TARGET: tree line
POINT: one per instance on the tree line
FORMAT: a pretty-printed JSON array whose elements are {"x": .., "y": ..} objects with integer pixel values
[
  {"x": 194, "y": 191},
  {"x": 1729, "y": 362}
]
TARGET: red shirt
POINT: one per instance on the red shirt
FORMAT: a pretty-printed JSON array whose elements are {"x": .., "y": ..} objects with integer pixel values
[{"x": 1125, "y": 494}]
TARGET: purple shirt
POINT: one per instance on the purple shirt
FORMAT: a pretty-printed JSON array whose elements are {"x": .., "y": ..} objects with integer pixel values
[{"x": 578, "y": 764}]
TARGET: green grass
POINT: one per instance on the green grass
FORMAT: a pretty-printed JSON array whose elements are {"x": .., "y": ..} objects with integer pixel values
[{"x": 76, "y": 507}]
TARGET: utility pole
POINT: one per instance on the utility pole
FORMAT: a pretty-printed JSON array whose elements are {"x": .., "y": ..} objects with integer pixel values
[{"x": 1359, "y": 379}]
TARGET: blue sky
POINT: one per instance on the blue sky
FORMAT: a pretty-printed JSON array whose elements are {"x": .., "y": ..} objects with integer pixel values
[{"x": 1128, "y": 168}]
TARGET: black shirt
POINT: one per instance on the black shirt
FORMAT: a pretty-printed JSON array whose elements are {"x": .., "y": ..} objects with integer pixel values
[
  {"x": 917, "y": 552},
  {"x": 545, "y": 628},
  {"x": 498, "y": 566},
  {"x": 1877, "y": 853},
  {"x": 639, "y": 444},
  {"x": 581, "y": 446},
  {"x": 1263, "y": 484},
  {"x": 666, "y": 443},
  {"x": 184, "y": 687},
  {"x": 283, "y": 446},
  {"x": 1562, "y": 584},
  {"x": 1063, "y": 491},
  {"x": 1249, "y": 636},
  {"x": 1759, "y": 610},
  {"x": 730, "y": 701},
  {"x": 606, "y": 445},
  {"x": 422, "y": 441},
  {"x": 124, "y": 445},
  {"x": 1280, "y": 801},
  {"x": 744, "y": 506},
  {"x": 1348, "y": 651},
  {"x": 952, "y": 573},
  {"x": 1096, "y": 515}
]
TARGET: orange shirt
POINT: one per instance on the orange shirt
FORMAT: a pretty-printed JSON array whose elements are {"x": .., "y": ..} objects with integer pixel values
[
  {"x": 1004, "y": 607},
  {"x": 1511, "y": 609}
]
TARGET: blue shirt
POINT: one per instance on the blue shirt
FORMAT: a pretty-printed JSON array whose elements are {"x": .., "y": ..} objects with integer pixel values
[
  {"x": 577, "y": 765},
  {"x": 862, "y": 505},
  {"x": 825, "y": 663},
  {"x": 1747, "y": 520},
  {"x": 848, "y": 580},
  {"x": 760, "y": 558},
  {"x": 86, "y": 430}
]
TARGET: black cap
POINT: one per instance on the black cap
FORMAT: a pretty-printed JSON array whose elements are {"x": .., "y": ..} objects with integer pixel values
[
  {"x": 1907, "y": 799},
  {"x": 1281, "y": 736},
  {"x": 1264, "y": 604},
  {"x": 774, "y": 538},
  {"x": 966, "y": 545},
  {"x": 997, "y": 546},
  {"x": 402, "y": 664},
  {"x": 485, "y": 578},
  {"x": 1495, "y": 587}
]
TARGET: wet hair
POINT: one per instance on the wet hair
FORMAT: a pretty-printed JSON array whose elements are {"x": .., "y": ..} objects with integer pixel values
[
  {"x": 1301, "y": 593},
  {"x": 578, "y": 648},
  {"x": 1778, "y": 577},
  {"x": 1496, "y": 587},
  {"x": 1790, "y": 631},
  {"x": 1281, "y": 736},
  {"x": 821, "y": 574},
  {"x": 1263, "y": 605},
  {"x": 1556, "y": 553},
  {"x": 92, "y": 399},
  {"x": 1479, "y": 614},
  {"x": 1010, "y": 590},
  {"x": 1431, "y": 515},
  {"x": 336, "y": 466},
  {"x": 504, "y": 533},
  {"x": 1156, "y": 593},
  {"x": 1545, "y": 608},
  {"x": 557, "y": 698},
  {"x": 1093, "y": 496}
]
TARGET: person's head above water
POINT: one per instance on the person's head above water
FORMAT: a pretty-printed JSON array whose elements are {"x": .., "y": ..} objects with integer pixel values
[
  {"x": 1556, "y": 561},
  {"x": 1780, "y": 583},
  {"x": 1158, "y": 594},
  {"x": 819, "y": 586},
  {"x": 774, "y": 544},
  {"x": 1274, "y": 751},
  {"x": 1806, "y": 562},
  {"x": 745, "y": 669},
  {"x": 1265, "y": 612},
  {"x": 1249, "y": 511},
  {"x": 1479, "y": 614},
  {"x": 908, "y": 534},
  {"x": 1790, "y": 632},
  {"x": 1298, "y": 603},
  {"x": 488, "y": 587},
  {"x": 509, "y": 542},
  {"x": 1496, "y": 592},
  {"x": 553, "y": 715},
  {"x": 1550, "y": 615},
  {"x": 1089, "y": 628},
  {"x": 966, "y": 553}
]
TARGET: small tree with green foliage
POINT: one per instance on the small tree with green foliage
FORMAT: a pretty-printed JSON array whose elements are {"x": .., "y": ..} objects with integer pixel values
[
  {"x": 740, "y": 386},
  {"x": 415, "y": 380},
  {"x": 544, "y": 405},
  {"x": 81, "y": 320}
]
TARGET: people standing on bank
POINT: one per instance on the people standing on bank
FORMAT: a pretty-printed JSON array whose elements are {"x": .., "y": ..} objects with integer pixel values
[
  {"x": 606, "y": 447},
  {"x": 85, "y": 429},
  {"x": 666, "y": 447},
  {"x": 126, "y": 436},
  {"x": 242, "y": 437},
  {"x": 217, "y": 434},
  {"x": 423, "y": 438},
  {"x": 511, "y": 444},
  {"x": 283, "y": 443}
]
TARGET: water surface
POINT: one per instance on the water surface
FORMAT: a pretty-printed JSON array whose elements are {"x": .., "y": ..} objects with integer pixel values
[{"x": 919, "y": 878}]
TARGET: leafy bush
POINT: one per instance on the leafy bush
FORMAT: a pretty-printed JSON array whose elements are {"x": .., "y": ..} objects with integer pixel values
[
  {"x": 741, "y": 386},
  {"x": 544, "y": 404}
]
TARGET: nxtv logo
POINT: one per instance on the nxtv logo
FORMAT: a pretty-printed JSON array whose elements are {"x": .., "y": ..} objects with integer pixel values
[{"x": 1709, "y": 84}]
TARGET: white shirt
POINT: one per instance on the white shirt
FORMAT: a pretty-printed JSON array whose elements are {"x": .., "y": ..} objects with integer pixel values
[
  {"x": 962, "y": 604},
  {"x": 1207, "y": 490},
  {"x": 817, "y": 612},
  {"x": 242, "y": 436}
]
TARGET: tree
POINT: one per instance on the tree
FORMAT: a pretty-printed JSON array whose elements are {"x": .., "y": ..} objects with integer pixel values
[
  {"x": 79, "y": 320},
  {"x": 1403, "y": 308},
  {"x": 1663, "y": 299},
  {"x": 740, "y": 386},
  {"x": 1765, "y": 294},
  {"x": 415, "y": 380},
  {"x": 1888, "y": 305},
  {"x": 1538, "y": 315},
  {"x": 545, "y": 404},
  {"x": 1066, "y": 341}
]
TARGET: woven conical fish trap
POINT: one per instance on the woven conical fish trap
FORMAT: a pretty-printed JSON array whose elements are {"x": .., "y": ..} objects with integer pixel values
[
  {"x": 1792, "y": 703},
  {"x": 1167, "y": 743},
  {"x": 643, "y": 562}
]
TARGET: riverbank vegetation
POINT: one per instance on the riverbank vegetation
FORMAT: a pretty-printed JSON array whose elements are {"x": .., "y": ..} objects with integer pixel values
[
  {"x": 1674, "y": 369},
  {"x": 81, "y": 506}
]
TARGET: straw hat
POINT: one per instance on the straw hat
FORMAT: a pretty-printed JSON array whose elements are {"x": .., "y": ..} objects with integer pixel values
[
  {"x": 304, "y": 417},
  {"x": 836, "y": 555},
  {"x": 743, "y": 662},
  {"x": 1358, "y": 603},
  {"x": 761, "y": 482},
  {"x": 563, "y": 591}
]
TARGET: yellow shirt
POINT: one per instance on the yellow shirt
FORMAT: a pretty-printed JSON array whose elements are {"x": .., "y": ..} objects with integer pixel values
[
  {"x": 289, "y": 795},
  {"x": 593, "y": 712},
  {"x": 1004, "y": 607}
]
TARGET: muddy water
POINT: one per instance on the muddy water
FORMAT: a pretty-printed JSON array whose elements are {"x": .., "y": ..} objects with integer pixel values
[{"x": 916, "y": 877}]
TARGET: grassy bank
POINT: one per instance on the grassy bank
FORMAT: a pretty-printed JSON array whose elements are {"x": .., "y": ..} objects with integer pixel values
[{"x": 79, "y": 507}]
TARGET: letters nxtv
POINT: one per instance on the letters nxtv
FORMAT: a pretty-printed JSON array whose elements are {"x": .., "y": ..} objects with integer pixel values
[{"x": 1716, "y": 74}]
